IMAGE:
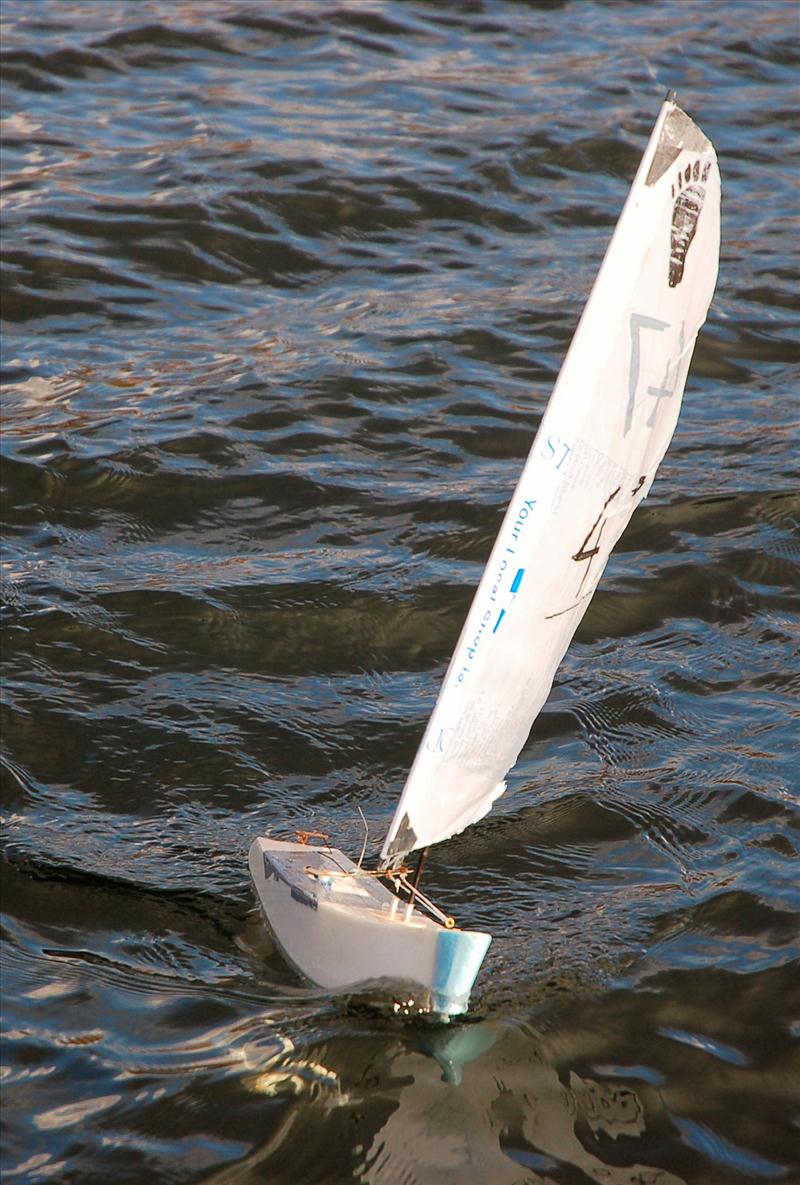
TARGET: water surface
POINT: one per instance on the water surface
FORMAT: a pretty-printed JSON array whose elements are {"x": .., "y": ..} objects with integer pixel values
[{"x": 286, "y": 286}]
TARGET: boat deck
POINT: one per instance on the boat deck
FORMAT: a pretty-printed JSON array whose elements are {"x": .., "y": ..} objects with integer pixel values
[{"x": 318, "y": 876}]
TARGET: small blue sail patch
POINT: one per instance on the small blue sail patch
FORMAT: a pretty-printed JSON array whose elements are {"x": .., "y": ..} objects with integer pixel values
[{"x": 515, "y": 583}]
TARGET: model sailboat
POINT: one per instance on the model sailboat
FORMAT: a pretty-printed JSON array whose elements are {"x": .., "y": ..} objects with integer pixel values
[{"x": 607, "y": 426}]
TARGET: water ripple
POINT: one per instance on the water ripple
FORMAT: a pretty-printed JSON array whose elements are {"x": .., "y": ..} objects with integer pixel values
[{"x": 285, "y": 288}]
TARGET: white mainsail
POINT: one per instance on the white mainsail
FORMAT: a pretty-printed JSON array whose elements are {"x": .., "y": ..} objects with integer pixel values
[{"x": 607, "y": 426}]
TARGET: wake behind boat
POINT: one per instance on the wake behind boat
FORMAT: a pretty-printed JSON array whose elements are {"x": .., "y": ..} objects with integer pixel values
[{"x": 606, "y": 428}]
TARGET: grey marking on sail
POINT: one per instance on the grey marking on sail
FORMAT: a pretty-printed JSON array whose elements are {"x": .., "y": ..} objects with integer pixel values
[
  {"x": 664, "y": 391},
  {"x": 405, "y": 839},
  {"x": 637, "y": 324},
  {"x": 679, "y": 132}
]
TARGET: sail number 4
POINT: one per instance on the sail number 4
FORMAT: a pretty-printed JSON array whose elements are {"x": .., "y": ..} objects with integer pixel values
[{"x": 638, "y": 323}]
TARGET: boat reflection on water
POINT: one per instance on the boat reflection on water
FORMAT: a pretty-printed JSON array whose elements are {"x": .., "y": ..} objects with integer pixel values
[{"x": 479, "y": 1102}]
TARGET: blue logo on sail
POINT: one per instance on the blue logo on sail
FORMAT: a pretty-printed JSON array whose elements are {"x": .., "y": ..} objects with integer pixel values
[{"x": 515, "y": 583}]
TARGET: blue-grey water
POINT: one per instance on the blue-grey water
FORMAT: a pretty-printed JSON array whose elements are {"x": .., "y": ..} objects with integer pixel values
[{"x": 286, "y": 285}]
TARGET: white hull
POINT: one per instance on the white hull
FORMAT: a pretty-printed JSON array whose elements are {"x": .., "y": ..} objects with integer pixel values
[{"x": 343, "y": 929}]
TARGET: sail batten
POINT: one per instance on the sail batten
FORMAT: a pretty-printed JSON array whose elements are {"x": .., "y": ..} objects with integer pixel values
[{"x": 607, "y": 425}]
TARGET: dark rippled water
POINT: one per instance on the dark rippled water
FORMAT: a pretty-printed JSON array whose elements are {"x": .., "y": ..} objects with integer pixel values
[{"x": 286, "y": 285}]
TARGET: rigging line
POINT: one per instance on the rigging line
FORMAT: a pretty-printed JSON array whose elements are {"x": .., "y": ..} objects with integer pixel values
[
  {"x": 418, "y": 898},
  {"x": 418, "y": 872},
  {"x": 366, "y": 837}
]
